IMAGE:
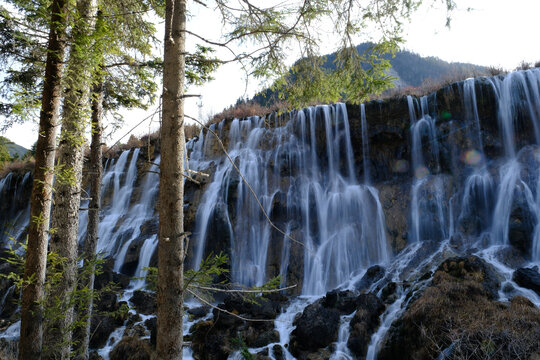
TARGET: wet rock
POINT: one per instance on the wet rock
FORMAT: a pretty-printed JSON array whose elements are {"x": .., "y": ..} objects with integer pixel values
[
  {"x": 364, "y": 323},
  {"x": 198, "y": 312},
  {"x": 131, "y": 260},
  {"x": 130, "y": 348},
  {"x": 511, "y": 257},
  {"x": 134, "y": 328},
  {"x": 343, "y": 301},
  {"x": 108, "y": 276},
  {"x": 151, "y": 326},
  {"x": 263, "y": 308},
  {"x": 528, "y": 278},
  {"x": 372, "y": 275},
  {"x": 278, "y": 352},
  {"x": 94, "y": 355},
  {"x": 144, "y": 302},
  {"x": 388, "y": 293},
  {"x": 521, "y": 224},
  {"x": 101, "y": 327},
  {"x": 210, "y": 344},
  {"x": 316, "y": 328}
]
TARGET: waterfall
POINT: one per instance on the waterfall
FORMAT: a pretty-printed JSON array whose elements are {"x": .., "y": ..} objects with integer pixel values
[
  {"x": 428, "y": 215},
  {"x": 317, "y": 199}
]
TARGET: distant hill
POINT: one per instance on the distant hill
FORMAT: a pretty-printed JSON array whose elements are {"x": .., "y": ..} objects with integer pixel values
[
  {"x": 410, "y": 69},
  {"x": 13, "y": 148}
]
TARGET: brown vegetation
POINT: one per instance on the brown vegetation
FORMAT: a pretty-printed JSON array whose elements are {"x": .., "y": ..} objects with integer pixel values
[
  {"x": 16, "y": 166},
  {"x": 457, "y": 313}
]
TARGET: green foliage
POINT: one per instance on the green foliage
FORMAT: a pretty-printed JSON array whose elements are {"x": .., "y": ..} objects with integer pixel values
[
  {"x": 4, "y": 151},
  {"x": 211, "y": 268},
  {"x": 239, "y": 343},
  {"x": 55, "y": 309}
]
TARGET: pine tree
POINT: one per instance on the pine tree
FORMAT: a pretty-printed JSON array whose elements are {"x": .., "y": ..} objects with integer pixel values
[
  {"x": 273, "y": 30},
  {"x": 40, "y": 203}
]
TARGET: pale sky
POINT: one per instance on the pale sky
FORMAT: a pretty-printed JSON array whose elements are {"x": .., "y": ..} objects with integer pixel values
[{"x": 497, "y": 33}]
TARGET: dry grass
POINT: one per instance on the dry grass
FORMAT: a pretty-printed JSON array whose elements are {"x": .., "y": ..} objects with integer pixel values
[
  {"x": 16, "y": 166},
  {"x": 457, "y": 313},
  {"x": 244, "y": 110}
]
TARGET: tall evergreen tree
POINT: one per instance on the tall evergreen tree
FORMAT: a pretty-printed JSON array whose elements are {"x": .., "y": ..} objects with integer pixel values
[
  {"x": 273, "y": 29},
  {"x": 30, "y": 342}
]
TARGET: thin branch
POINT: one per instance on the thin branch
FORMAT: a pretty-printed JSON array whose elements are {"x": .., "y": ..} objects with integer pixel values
[
  {"x": 243, "y": 291},
  {"x": 226, "y": 311},
  {"x": 247, "y": 184}
]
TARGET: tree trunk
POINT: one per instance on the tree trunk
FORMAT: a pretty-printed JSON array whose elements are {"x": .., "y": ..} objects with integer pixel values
[
  {"x": 170, "y": 296},
  {"x": 40, "y": 207},
  {"x": 90, "y": 244},
  {"x": 67, "y": 195}
]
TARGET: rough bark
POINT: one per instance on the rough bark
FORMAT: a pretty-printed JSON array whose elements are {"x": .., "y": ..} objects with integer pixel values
[
  {"x": 170, "y": 298},
  {"x": 32, "y": 295},
  {"x": 67, "y": 195},
  {"x": 90, "y": 244}
]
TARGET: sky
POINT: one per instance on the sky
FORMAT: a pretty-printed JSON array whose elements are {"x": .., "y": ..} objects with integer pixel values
[{"x": 497, "y": 33}]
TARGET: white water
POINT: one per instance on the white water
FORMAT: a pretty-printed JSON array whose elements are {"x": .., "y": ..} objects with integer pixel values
[
  {"x": 307, "y": 160},
  {"x": 341, "y": 221}
]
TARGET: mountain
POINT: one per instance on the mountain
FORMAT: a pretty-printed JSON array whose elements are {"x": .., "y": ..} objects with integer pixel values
[
  {"x": 409, "y": 69},
  {"x": 13, "y": 148}
]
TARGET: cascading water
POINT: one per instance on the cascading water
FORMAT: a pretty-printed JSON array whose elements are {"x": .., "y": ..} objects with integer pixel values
[
  {"x": 428, "y": 215},
  {"x": 315, "y": 175},
  {"x": 306, "y": 176},
  {"x": 15, "y": 213}
]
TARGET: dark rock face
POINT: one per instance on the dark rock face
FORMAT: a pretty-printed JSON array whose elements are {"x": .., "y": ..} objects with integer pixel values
[
  {"x": 144, "y": 302},
  {"x": 521, "y": 225},
  {"x": 458, "y": 310},
  {"x": 151, "y": 325},
  {"x": 131, "y": 259},
  {"x": 108, "y": 275},
  {"x": 528, "y": 278},
  {"x": 130, "y": 348},
  {"x": 318, "y": 325},
  {"x": 316, "y": 328},
  {"x": 364, "y": 323},
  {"x": 214, "y": 339},
  {"x": 372, "y": 275},
  {"x": 101, "y": 326}
]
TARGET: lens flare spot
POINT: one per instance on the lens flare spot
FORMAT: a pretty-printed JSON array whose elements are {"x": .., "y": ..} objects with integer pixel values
[
  {"x": 400, "y": 166},
  {"x": 421, "y": 172},
  {"x": 446, "y": 115},
  {"x": 537, "y": 155},
  {"x": 472, "y": 157}
]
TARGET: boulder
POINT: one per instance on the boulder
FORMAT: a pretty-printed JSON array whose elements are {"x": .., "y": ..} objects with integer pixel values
[
  {"x": 316, "y": 328},
  {"x": 343, "y": 301},
  {"x": 130, "y": 348},
  {"x": 151, "y": 326},
  {"x": 108, "y": 275},
  {"x": 144, "y": 302},
  {"x": 372, "y": 275},
  {"x": 101, "y": 327},
  {"x": 198, "y": 312},
  {"x": 364, "y": 323},
  {"x": 528, "y": 278}
]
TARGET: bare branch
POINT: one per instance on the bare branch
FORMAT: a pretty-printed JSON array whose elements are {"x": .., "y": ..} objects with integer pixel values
[{"x": 247, "y": 183}]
